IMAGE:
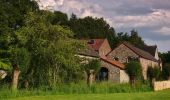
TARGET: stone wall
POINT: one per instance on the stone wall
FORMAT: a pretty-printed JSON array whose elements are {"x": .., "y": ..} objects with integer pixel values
[
  {"x": 124, "y": 77},
  {"x": 145, "y": 63},
  {"x": 105, "y": 48},
  {"x": 160, "y": 85},
  {"x": 115, "y": 74},
  {"x": 122, "y": 52}
]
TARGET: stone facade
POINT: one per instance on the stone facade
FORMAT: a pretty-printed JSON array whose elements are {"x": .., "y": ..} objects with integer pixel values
[
  {"x": 115, "y": 74},
  {"x": 122, "y": 53},
  {"x": 145, "y": 63}
]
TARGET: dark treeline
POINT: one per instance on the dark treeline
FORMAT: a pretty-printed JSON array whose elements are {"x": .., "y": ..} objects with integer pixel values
[{"x": 89, "y": 28}]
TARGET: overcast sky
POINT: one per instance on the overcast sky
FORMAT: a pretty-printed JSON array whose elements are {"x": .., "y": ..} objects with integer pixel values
[{"x": 150, "y": 17}]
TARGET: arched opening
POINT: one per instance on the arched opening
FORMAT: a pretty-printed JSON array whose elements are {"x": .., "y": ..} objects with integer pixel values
[{"x": 103, "y": 74}]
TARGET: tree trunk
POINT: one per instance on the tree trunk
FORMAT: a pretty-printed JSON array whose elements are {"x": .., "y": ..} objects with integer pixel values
[
  {"x": 152, "y": 82},
  {"x": 169, "y": 78},
  {"x": 26, "y": 84},
  {"x": 15, "y": 77},
  {"x": 132, "y": 80},
  {"x": 90, "y": 77}
]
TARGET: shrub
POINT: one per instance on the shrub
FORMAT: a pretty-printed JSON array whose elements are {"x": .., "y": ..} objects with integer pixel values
[
  {"x": 153, "y": 72},
  {"x": 133, "y": 69},
  {"x": 166, "y": 71}
]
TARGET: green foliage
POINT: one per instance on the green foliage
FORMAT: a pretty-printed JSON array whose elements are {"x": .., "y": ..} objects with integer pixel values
[
  {"x": 10, "y": 22},
  {"x": 92, "y": 65},
  {"x": 60, "y": 18},
  {"x": 133, "y": 69},
  {"x": 51, "y": 49},
  {"x": 88, "y": 27},
  {"x": 165, "y": 57},
  {"x": 4, "y": 66},
  {"x": 166, "y": 71},
  {"x": 153, "y": 72},
  {"x": 133, "y": 38}
]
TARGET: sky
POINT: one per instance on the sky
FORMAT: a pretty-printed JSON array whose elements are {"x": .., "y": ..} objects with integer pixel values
[{"x": 151, "y": 18}]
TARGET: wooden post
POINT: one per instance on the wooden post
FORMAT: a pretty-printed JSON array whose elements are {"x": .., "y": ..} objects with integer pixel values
[{"x": 132, "y": 80}]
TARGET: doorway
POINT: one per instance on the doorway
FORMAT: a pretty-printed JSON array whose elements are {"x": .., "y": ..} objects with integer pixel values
[{"x": 103, "y": 74}]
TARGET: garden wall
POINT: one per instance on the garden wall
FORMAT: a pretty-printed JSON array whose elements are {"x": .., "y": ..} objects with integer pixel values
[{"x": 160, "y": 85}]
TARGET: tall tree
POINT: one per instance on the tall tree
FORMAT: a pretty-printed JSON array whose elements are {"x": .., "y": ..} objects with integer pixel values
[
  {"x": 60, "y": 18},
  {"x": 90, "y": 27},
  {"x": 52, "y": 51},
  {"x": 135, "y": 39}
]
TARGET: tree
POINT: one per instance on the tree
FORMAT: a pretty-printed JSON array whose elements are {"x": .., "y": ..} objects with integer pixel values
[
  {"x": 91, "y": 68},
  {"x": 60, "y": 18},
  {"x": 89, "y": 27},
  {"x": 135, "y": 39},
  {"x": 133, "y": 69},
  {"x": 52, "y": 51},
  {"x": 153, "y": 73},
  {"x": 165, "y": 57},
  {"x": 9, "y": 23},
  {"x": 166, "y": 71}
]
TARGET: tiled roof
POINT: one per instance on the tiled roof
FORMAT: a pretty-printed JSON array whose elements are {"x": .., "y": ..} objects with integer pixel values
[
  {"x": 96, "y": 43},
  {"x": 150, "y": 49},
  {"x": 88, "y": 51},
  {"x": 114, "y": 63},
  {"x": 140, "y": 52}
]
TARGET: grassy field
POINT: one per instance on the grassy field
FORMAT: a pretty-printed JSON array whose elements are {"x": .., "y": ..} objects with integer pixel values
[{"x": 161, "y": 95}]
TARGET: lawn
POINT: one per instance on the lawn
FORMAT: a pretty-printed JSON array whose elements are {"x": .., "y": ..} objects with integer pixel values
[{"x": 161, "y": 95}]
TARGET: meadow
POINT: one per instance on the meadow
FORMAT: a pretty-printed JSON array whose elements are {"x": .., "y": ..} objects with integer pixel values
[
  {"x": 161, "y": 95},
  {"x": 80, "y": 89}
]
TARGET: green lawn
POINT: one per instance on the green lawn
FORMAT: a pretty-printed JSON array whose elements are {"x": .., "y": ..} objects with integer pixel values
[{"x": 161, "y": 95}]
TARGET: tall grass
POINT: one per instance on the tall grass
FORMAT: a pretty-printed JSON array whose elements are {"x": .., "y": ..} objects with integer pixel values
[{"x": 80, "y": 88}]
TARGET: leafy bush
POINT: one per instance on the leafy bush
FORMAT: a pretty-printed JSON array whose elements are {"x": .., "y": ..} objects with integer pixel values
[
  {"x": 133, "y": 69},
  {"x": 153, "y": 72},
  {"x": 166, "y": 71}
]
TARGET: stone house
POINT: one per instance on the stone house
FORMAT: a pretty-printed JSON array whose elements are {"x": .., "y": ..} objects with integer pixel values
[
  {"x": 112, "y": 61},
  {"x": 126, "y": 52}
]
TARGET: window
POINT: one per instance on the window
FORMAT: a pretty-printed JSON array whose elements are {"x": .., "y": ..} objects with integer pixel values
[
  {"x": 127, "y": 60},
  {"x": 116, "y": 58},
  {"x": 132, "y": 59}
]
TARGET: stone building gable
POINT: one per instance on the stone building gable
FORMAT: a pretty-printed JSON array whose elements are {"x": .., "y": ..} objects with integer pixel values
[
  {"x": 104, "y": 48},
  {"x": 122, "y": 52}
]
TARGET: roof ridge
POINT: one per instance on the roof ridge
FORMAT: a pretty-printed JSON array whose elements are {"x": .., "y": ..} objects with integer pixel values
[{"x": 140, "y": 52}]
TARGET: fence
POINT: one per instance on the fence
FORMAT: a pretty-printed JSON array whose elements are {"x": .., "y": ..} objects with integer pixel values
[{"x": 160, "y": 85}]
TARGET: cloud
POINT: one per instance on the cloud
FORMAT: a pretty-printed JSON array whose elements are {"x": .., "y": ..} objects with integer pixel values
[{"x": 164, "y": 31}]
